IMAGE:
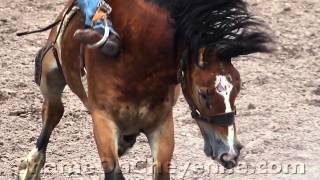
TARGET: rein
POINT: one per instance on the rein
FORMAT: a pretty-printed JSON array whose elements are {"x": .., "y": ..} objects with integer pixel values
[
  {"x": 225, "y": 119},
  {"x": 40, "y": 30}
]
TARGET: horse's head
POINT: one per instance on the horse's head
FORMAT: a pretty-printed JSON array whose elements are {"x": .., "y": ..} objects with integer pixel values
[
  {"x": 216, "y": 32},
  {"x": 211, "y": 87}
]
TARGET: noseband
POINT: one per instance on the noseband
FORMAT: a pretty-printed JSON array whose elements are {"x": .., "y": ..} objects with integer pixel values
[{"x": 225, "y": 119}]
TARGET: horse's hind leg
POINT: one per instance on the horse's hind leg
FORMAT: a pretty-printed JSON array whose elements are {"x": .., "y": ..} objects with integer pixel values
[{"x": 52, "y": 85}]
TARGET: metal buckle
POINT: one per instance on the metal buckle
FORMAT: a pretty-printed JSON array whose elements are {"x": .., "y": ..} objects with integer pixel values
[{"x": 104, "y": 6}]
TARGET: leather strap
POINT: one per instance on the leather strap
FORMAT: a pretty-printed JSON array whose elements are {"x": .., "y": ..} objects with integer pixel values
[{"x": 225, "y": 119}]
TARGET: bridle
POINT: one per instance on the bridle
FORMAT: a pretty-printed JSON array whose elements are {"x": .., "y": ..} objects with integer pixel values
[{"x": 225, "y": 119}]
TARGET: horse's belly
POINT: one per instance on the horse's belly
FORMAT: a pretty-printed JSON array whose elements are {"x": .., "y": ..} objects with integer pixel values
[{"x": 132, "y": 119}]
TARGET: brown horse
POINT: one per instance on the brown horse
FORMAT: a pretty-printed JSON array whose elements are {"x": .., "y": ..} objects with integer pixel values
[{"x": 136, "y": 91}]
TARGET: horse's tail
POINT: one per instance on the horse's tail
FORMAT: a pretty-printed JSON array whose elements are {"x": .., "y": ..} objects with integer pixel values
[
  {"x": 38, "y": 62},
  {"x": 39, "y": 30}
]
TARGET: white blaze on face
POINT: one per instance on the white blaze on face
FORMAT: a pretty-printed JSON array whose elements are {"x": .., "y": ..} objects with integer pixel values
[
  {"x": 224, "y": 88},
  {"x": 230, "y": 139}
]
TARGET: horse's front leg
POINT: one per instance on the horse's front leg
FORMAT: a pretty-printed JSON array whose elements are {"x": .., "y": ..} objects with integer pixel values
[
  {"x": 105, "y": 135},
  {"x": 161, "y": 141}
]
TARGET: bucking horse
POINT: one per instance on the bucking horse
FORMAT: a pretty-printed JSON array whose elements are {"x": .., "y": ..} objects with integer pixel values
[{"x": 167, "y": 46}]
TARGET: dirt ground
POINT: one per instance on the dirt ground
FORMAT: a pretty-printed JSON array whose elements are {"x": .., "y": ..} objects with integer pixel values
[{"x": 278, "y": 117}]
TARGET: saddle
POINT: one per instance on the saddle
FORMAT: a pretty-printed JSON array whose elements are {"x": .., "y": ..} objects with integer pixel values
[{"x": 108, "y": 40}]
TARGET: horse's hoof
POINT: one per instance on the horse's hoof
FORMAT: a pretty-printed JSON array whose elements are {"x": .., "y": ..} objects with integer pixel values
[{"x": 30, "y": 168}]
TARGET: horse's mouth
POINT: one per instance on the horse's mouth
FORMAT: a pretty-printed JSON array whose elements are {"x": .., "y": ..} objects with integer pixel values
[{"x": 227, "y": 159}]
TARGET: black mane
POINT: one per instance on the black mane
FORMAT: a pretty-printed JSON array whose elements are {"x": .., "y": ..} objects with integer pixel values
[{"x": 223, "y": 25}]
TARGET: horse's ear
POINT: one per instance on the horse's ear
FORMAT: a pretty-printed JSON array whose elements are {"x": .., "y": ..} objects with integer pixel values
[{"x": 86, "y": 36}]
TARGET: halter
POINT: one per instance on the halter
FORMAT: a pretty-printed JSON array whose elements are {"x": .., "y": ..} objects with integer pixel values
[{"x": 225, "y": 119}]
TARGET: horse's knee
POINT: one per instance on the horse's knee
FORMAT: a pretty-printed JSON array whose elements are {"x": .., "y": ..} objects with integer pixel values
[
  {"x": 161, "y": 170},
  {"x": 108, "y": 165},
  {"x": 111, "y": 169},
  {"x": 114, "y": 176},
  {"x": 52, "y": 110}
]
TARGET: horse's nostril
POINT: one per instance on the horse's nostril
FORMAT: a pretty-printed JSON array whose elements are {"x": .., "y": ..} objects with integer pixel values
[
  {"x": 239, "y": 146},
  {"x": 227, "y": 157},
  {"x": 228, "y": 160}
]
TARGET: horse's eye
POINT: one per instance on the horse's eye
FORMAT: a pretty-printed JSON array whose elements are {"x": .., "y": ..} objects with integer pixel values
[
  {"x": 203, "y": 94},
  {"x": 229, "y": 78},
  {"x": 203, "y": 64}
]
